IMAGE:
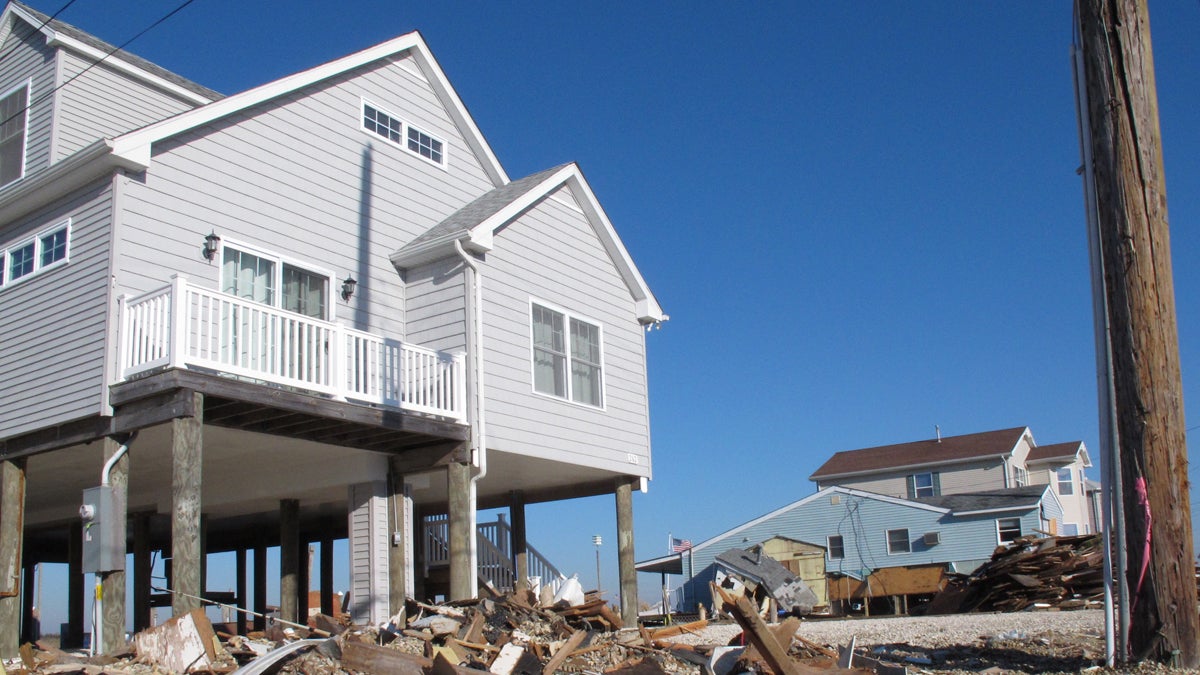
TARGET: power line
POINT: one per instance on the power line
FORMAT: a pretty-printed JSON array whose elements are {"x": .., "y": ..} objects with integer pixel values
[
  {"x": 40, "y": 26},
  {"x": 97, "y": 62}
]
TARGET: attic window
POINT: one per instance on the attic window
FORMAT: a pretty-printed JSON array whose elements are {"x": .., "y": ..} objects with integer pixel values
[
  {"x": 12, "y": 133},
  {"x": 390, "y": 127}
]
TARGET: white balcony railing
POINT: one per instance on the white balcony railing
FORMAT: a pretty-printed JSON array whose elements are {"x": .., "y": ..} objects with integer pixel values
[{"x": 182, "y": 325}]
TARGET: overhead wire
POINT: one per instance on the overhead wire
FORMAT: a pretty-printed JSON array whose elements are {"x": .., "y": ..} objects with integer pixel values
[
  {"x": 42, "y": 25},
  {"x": 97, "y": 62}
]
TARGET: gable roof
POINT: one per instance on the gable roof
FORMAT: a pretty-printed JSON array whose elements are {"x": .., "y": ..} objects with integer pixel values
[
  {"x": 475, "y": 225},
  {"x": 60, "y": 34},
  {"x": 1062, "y": 452},
  {"x": 135, "y": 146},
  {"x": 947, "y": 450},
  {"x": 988, "y": 501}
]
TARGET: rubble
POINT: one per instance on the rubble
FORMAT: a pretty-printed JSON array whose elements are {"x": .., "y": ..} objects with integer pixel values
[
  {"x": 760, "y": 572},
  {"x": 1030, "y": 573}
]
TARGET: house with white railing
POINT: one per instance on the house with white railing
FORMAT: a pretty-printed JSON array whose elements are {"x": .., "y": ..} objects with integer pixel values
[{"x": 319, "y": 309}]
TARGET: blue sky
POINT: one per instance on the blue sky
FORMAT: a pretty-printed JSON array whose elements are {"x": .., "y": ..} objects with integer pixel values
[{"x": 864, "y": 220}]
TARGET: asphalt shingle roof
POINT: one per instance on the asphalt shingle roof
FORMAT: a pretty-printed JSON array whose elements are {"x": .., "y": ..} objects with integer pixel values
[
  {"x": 949, "y": 448},
  {"x": 988, "y": 500},
  {"x": 1055, "y": 451}
]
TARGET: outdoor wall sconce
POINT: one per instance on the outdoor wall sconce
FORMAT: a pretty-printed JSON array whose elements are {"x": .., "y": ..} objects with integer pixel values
[
  {"x": 211, "y": 242},
  {"x": 348, "y": 287}
]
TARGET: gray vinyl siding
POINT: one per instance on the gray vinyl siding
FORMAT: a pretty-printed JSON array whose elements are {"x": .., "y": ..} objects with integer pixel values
[
  {"x": 435, "y": 307},
  {"x": 863, "y": 523},
  {"x": 52, "y": 356},
  {"x": 102, "y": 102},
  {"x": 297, "y": 176},
  {"x": 550, "y": 254},
  {"x": 953, "y": 479},
  {"x": 26, "y": 58}
]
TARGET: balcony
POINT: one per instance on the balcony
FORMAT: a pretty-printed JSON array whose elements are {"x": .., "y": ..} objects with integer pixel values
[{"x": 184, "y": 326}]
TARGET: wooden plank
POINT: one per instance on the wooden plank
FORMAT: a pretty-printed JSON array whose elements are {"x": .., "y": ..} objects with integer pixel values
[
  {"x": 368, "y": 658},
  {"x": 56, "y": 437},
  {"x": 560, "y": 657},
  {"x": 758, "y": 633},
  {"x": 671, "y": 631},
  {"x": 152, "y": 410}
]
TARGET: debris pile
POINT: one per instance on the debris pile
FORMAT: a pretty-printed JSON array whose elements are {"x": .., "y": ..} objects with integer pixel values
[{"x": 1038, "y": 573}]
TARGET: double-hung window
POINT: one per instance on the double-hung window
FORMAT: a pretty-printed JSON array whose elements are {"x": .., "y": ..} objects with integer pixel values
[
  {"x": 1066, "y": 481},
  {"x": 1008, "y": 529},
  {"x": 567, "y": 356},
  {"x": 898, "y": 541},
  {"x": 837, "y": 547},
  {"x": 26, "y": 257},
  {"x": 390, "y": 127},
  {"x": 924, "y": 485},
  {"x": 13, "y": 116}
]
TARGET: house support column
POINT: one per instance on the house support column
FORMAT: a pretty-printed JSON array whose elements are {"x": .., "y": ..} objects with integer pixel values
[
  {"x": 304, "y": 553},
  {"x": 141, "y": 572},
  {"x": 239, "y": 565},
  {"x": 400, "y": 540},
  {"x": 112, "y": 583},
  {"x": 327, "y": 607},
  {"x": 289, "y": 559},
  {"x": 458, "y": 476},
  {"x": 186, "y": 549},
  {"x": 12, "y": 533},
  {"x": 73, "y": 637},
  {"x": 260, "y": 586},
  {"x": 520, "y": 543},
  {"x": 628, "y": 574}
]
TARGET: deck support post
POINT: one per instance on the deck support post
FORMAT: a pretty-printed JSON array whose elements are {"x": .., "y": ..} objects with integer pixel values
[
  {"x": 112, "y": 583},
  {"x": 73, "y": 637},
  {"x": 239, "y": 565},
  {"x": 400, "y": 539},
  {"x": 260, "y": 585},
  {"x": 12, "y": 533},
  {"x": 625, "y": 565},
  {"x": 520, "y": 542},
  {"x": 327, "y": 607},
  {"x": 289, "y": 558},
  {"x": 141, "y": 572},
  {"x": 461, "y": 575},
  {"x": 186, "y": 549}
]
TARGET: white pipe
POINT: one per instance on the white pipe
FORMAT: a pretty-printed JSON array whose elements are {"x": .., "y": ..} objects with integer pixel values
[
  {"x": 475, "y": 335},
  {"x": 1116, "y": 641},
  {"x": 98, "y": 606}
]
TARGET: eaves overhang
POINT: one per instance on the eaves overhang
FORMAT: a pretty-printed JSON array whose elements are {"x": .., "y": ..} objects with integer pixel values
[
  {"x": 43, "y": 187},
  {"x": 906, "y": 467}
]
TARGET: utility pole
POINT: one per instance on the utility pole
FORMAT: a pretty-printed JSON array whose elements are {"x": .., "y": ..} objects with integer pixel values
[{"x": 1135, "y": 248}]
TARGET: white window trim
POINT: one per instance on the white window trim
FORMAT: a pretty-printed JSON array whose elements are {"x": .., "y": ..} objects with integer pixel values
[
  {"x": 28, "y": 86},
  {"x": 917, "y": 488},
  {"x": 829, "y": 547},
  {"x": 404, "y": 127},
  {"x": 38, "y": 267},
  {"x": 1059, "y": 482},
  {"x": 567, "y": 316},
  {"x": 280, "y": 260},
  {"x": 1020, "y": 528},
  {"x": 887, "y": 541}
]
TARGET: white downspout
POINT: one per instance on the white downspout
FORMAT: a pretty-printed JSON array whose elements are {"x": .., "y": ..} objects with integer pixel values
[{"x": 479, "y": 456}]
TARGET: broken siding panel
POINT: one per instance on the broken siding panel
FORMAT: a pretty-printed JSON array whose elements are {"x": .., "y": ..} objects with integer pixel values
[
  {"x": 342, "y": 199},
  {"x": 551, "y": 254},
  {"x": 103, "y": 102},
  {"x": 27, "y": 58},
  {"x": 55, "y": 373},
  {"x": 435, "y": 305}
]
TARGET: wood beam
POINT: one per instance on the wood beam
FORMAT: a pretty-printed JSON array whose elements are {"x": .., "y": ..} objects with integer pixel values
[
  {"x": 186, "y": 481},
  {"x": 112, "y": 583},
  {"x": 625, "y": 557},
  {"x": 289, "y": 563},
  {"x": 12, "y": 529}
]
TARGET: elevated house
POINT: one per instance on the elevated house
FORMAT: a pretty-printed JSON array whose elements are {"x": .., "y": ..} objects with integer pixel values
[{"x": 316, "y": 309}]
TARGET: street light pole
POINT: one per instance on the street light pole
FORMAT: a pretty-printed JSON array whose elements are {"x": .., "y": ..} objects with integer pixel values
[{"x": 596, "y": 539}]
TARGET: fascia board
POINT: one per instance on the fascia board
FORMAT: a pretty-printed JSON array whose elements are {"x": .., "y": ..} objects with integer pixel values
[
  {"x": 81, "y": 168},
  {"x": 906, "y": 467},
  {"x": 56, "y": 39},
  {"x": 428, "y": 251},
  {"x": 136, "y": 140},
  {"x": 1005, "y": 509}
]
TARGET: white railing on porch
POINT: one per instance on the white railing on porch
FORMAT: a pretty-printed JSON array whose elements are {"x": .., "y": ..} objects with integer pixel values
[
  {"x": 182, "y": 325},
  {"x": 494, "y": 552}
]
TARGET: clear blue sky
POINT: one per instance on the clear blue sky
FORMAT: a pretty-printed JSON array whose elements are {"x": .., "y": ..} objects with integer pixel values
[{"x": 864, "y": 220}]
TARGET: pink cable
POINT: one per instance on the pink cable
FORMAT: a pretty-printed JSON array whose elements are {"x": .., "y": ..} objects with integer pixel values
[{"x": 1143, "y": 498}]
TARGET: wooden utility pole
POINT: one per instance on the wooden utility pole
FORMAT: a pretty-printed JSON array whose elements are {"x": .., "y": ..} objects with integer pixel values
[{"x": 1134, "y": 238}]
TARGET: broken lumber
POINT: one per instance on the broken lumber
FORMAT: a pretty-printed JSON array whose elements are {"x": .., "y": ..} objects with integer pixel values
[{"x": 746, "y": 615}]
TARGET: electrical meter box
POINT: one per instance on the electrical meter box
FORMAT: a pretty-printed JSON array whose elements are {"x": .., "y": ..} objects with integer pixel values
[{"x": 103, "y": 532}]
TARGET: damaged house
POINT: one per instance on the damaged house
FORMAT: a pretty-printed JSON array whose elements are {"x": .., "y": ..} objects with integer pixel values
[
  {"x": 890, "y": 522},
  {"x": 318, "y": 309}
]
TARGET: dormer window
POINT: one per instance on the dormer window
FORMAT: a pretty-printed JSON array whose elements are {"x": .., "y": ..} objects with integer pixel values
[
  {"x": 386, "y": 125},
  {"x": 12, "y": 133}
]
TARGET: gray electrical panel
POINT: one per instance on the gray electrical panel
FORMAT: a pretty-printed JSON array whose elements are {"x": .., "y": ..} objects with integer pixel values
[{"x": 103, "y": 532}]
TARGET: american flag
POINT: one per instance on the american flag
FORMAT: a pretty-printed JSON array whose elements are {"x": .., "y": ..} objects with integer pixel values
[{"x": 680, "y": 545}]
